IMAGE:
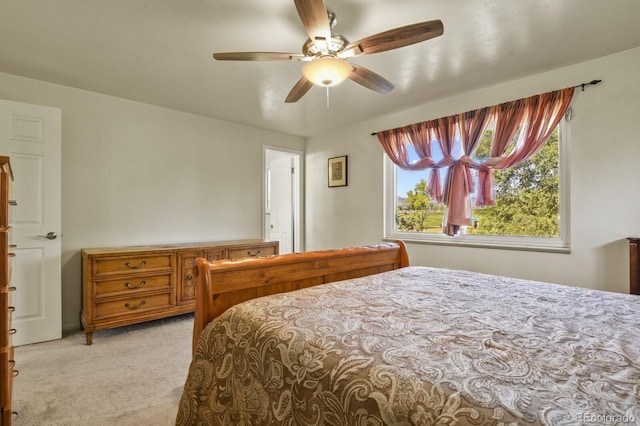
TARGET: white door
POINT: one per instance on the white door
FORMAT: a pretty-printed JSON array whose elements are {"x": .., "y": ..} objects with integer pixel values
[
  {"x": 282, "y": 214},
  {"x": 281, "y": 222},
  {"x": 31, "y": 136}
]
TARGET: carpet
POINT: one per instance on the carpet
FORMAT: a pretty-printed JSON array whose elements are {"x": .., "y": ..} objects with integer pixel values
[{"x": 130, "y": 375}]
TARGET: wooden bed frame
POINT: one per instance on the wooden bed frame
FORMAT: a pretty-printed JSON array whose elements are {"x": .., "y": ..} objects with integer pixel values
[{"x": 223, "y": 283}]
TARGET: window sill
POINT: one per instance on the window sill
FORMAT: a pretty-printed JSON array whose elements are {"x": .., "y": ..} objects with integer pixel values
[{"x": 500, "y": 243}]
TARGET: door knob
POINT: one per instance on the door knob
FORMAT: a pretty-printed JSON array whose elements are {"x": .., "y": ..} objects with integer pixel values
[{"x": 49, "y": 236}]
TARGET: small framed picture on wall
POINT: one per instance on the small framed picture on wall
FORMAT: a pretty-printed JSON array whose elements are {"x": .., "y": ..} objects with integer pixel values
[{"x": 338, "y": 171}]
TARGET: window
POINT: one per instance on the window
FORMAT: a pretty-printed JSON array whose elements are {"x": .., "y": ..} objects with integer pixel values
[{"x": 531, "y": 210}]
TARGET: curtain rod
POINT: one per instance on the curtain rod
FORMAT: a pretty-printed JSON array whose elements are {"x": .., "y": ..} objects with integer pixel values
[{"x": 581, "y": 85}]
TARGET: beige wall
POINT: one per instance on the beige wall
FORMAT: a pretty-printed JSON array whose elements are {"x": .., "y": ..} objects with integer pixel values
[
  {"x": 134, "y": 173},
  {"x": 604, "y": 116}
]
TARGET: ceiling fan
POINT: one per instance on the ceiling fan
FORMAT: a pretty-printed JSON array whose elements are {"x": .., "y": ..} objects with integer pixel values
[{"x": 326, "y": 52}]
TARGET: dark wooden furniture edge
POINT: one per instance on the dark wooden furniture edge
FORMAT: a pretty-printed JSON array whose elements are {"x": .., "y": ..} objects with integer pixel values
[
  {"x": 224, "y": 283},
  {"x": 634, "y": 265}
]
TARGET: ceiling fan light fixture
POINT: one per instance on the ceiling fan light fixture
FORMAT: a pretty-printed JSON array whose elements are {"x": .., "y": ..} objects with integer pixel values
[
  {"x": 327, "y": 71},
  {"x": 325, "y": 52}
]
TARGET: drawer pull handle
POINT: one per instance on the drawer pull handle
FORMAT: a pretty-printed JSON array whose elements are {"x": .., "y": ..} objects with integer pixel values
[
  {"x": 12, "y": 289},
  {"x": 13, "y": 246},
  {"x": 133, "y": 308},
  {"x": 11, "y": 309},
  {"x": 12, "y": 331},
  {"x": 189, "y": 277},
  {"x": 130, "y": 266},
  {"x": 12, "y": 203},
  {"x": 10, "y": 254},
  {"x": 16, "y": 373},
  {"x": 133, "y": 287},
  {"x": 257, "y": 252}
]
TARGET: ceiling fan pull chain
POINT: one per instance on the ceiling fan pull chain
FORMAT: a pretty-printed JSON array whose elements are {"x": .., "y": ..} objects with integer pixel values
[{"x": 327, "y": 97}]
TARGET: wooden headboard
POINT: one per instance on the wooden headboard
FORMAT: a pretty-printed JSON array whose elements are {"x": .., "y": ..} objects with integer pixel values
[{"x": 223, "y": 283}]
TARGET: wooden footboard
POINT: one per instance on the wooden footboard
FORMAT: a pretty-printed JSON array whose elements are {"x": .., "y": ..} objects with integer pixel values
[{"x": 224, "y": 283}]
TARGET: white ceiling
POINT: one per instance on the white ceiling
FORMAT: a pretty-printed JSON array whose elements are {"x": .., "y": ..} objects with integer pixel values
[{"x": 159, "y": 51}]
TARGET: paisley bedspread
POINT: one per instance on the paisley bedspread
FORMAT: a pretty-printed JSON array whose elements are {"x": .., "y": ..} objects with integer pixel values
[{"x": 420, "y": 346}]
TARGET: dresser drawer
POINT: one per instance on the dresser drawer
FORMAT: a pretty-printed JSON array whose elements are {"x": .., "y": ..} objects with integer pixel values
[
  {"x": 252, "y": 251},
  {"x": 186, "y": 275},
  {"x": 128, "y": 264},
  {"x": 132, "y": 284},
  {"x": 5, "y": 261},
  {"x": 215, "y": 254},
  {"x": 6, "y": 375},
  {"x": 133, "y": 305},
  {"x": 5, "y": 325}
]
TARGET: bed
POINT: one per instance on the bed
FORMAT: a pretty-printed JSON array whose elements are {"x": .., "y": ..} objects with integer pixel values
[{"x": 381, "y": 342}]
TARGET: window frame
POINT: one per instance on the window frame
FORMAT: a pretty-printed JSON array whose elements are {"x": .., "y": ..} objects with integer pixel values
[{"x": 561, "y": 244}]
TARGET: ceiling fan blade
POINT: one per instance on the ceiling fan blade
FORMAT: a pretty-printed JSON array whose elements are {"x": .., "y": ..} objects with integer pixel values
[
  {"x": 315, "y": 19},
  {"x": 257, "y": 56},
  {"x": 299, "y": 90},
  {"x": 370, "y": 79},
  {"x": 395, "y": 38}
]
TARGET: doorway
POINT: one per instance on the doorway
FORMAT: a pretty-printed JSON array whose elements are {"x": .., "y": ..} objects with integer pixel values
[{"x": 282, "y": 198}]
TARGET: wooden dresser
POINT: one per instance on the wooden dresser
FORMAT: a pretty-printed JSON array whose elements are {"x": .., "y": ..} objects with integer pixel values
[
  {"x": 128, "y": 285},
  {"x": 7, "y": 363},
  {"x": 634, "y": 265}
]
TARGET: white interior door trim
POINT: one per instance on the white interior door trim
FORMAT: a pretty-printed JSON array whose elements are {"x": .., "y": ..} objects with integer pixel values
[{"x": 298, "y": 197}]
